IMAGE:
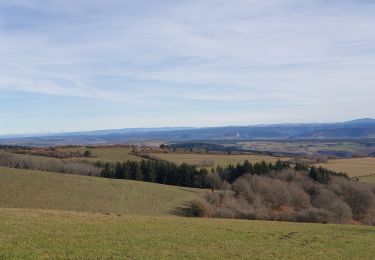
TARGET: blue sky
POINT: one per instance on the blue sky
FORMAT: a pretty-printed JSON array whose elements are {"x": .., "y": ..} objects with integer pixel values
[{"x": 69, "y": 65}]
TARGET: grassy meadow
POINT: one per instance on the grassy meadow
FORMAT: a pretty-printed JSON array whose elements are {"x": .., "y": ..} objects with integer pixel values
[
  {"x": 45, "y": 190},
  {"x": 355, "y": 167},
  {"x": 369, "y": 179},
  {"x": 36, "y": 234}
]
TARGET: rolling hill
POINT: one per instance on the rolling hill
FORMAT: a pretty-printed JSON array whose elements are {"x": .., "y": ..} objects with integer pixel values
[
  {"x": 47, "y": 215},
  {"x": 45, "y": 190},
  {"x": 360, "y": 128}
]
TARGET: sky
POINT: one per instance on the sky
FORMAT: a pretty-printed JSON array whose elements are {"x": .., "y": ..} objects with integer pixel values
[{"x": 70, "y": 65}]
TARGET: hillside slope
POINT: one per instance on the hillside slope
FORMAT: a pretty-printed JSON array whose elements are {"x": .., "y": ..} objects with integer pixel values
[{"x": 44, "y": 190}]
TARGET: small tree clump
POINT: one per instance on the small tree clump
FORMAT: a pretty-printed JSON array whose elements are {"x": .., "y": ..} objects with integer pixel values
[{"x": 88, "y": 153}]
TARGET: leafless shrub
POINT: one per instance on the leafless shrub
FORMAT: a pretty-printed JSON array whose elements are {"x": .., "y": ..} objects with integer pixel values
[
  {"x": 274, "y": 192},
  {"x": 369, "y": 217},
  {"x": 242, "y": 188},
  {"x": 201, "y": 208},
  {"x": 322, "y": 198},
  {"x": 335, "y": 188},
  {"x": 292, "y": 196},
  {"x": 358, "y": 196},
  {"x": 233, "y": 208},
  {"x": 47, "y": 164},
  {"x": 311, "y": 188},
  {"x": 217, "y": 199},
  {"x": 225, "y": 186},
  {"x": 206, "y": 163},
  {"x": 298, "y": 197},
  {"x": 340, "y": 210},
  {"x": 212, "y": 179}
]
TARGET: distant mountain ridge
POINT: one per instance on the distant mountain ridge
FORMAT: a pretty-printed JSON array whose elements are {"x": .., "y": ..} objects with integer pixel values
[
  {"x": 361, "y": 121},
  {"x": 359, "y": 128}
]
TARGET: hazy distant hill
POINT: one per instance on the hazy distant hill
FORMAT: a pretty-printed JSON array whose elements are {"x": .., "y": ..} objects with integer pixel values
[{"x": 360, "y": 128}]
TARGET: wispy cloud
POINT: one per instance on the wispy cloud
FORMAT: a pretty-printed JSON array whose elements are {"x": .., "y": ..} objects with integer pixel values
[{"x": 165, "y": 54}]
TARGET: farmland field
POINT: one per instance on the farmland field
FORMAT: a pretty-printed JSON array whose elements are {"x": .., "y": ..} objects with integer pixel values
[
  {"x": 326, "y": 147},
  {"x": 106, "y": 153},
  {"x": 115, "y": 154},
  {"x": 211, "y": 160},
  {"x": 353, "y": 167},
  {"x": 44, "y": 190},
  {"x": 369, "y": 179},
  {"x": 35, "y": 234}
]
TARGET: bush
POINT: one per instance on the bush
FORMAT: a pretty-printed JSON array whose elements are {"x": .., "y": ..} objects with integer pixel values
[
  {"x": 88, "y": 153},
  {"x": 200, "y": 208},
  {"x": 239, "y": 208},
  {"x": 341, "y": 211},
  {"x": 291, "y": 196},
  {"x": 358, "y": 196},
  {"x": 369, "y": 217},
  {"x": 298, "y": 197},
  {"x": 242, "y": 188},
  {"x": 274, "y": 192},
  {"x": 322, "y": 198}
]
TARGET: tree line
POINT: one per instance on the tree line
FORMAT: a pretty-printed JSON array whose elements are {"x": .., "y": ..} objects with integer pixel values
[
  {"x": 186, "y": 175},
  {"x": 21, "y": 161},
  {"x": 162, "y": 172}
]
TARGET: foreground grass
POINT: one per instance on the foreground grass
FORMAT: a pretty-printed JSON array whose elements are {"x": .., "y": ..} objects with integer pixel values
[
  {"x": 31, "y": 234},
  {"x": 43, "y": 190},
  {"x": 353, "y": 167}
]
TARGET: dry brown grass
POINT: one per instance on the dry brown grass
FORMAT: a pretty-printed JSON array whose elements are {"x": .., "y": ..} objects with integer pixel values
[
  {"x": 113, "y": 154},
  {"x": 353, "y": 167},
  {"x": 369, "y": 179}
]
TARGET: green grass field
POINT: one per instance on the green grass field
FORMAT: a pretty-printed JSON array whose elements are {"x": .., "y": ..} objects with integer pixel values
[
  {"x": 43, "y": 190},
  {"x": 215, "y": 159},
  {"x": 353, "y": 167},
  {"x": 55, "y": 216},
  {"x": 36, "y": 234}
]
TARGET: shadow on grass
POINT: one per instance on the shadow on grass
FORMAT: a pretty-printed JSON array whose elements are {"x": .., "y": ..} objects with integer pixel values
[
  {"x": 183, "y": 211},
  {"x": 189, "y": 190}
]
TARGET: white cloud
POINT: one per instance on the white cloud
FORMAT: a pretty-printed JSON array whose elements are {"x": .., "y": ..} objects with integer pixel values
[{"x": 290, "y": 53}]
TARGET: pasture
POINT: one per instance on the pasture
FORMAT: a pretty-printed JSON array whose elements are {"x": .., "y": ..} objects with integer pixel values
[
  {"x": 355, "y": 167},
  {"x": 48, "y": 215},
  {"x": 369, "y": 179},
  {"x": 35, "y": 234},
  {"x": 45, "y": 190}
]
